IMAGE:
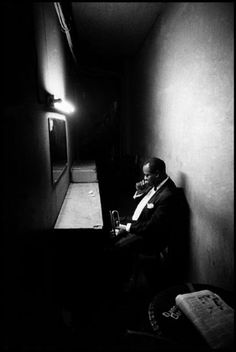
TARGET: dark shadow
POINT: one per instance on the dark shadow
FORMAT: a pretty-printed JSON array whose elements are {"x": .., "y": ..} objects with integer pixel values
[
  {"x": 30, "y": 311},
  {"x": 179, "y": 246},
  {"x": 184, "y": 225}
]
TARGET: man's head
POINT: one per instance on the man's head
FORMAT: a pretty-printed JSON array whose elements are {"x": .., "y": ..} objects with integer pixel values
[{"x": 154, "y": 170}]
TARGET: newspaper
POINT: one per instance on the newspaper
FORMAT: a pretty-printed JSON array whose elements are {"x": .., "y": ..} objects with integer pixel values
[{"x": 213, "y": 318}]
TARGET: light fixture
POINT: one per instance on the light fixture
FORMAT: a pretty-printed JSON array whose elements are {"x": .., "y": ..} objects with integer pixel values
[{"x": 60, "y": 105}]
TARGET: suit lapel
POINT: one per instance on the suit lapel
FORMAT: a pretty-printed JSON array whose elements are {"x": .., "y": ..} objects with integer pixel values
[{"x": 156, "y": 196}]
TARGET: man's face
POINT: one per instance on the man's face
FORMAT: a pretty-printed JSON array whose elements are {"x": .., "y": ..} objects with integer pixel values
[{"x": 148, "y": 176}]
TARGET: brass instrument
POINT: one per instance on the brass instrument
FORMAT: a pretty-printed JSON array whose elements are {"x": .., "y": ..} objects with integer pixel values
[{"x": 115, "y": 221}]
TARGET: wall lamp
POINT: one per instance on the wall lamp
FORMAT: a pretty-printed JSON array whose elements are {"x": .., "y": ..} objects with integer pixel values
[{"x": 59, "y": 105}]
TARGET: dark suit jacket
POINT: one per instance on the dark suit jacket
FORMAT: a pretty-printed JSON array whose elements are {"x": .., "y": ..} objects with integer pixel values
[{"x": 157, "y": 221}]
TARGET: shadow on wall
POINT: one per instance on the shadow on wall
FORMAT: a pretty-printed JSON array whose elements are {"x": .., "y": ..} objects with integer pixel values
[{"x": 180, "y": 244}]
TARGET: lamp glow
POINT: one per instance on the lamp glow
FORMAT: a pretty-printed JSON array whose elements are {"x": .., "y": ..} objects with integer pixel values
[
  {"x": 60, "y": 105},
  {"x": 63, "y": 106}
]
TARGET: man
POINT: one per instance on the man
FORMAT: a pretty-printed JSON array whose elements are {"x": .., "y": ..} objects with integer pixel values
[
  {"x": 154, "y": 217},
  {"x": 150, "y": 228}
]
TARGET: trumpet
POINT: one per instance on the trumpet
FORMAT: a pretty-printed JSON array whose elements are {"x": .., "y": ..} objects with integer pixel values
[{"x": 115, "y": 221}]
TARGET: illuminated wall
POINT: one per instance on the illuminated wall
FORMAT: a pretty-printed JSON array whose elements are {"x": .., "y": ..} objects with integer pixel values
[{"x": 181, "y": 109}]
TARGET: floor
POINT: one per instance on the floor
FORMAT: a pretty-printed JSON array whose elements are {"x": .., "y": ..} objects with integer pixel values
[{"x": 83, "y": 313}]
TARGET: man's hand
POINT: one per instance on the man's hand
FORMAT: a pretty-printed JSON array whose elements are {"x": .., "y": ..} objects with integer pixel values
[
  {"x": 121, "y": 230},
  {"x": 141, "y": 186}
]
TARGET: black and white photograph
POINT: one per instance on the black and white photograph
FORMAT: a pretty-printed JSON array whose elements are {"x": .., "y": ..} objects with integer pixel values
[{"x": 118, "y": 176}]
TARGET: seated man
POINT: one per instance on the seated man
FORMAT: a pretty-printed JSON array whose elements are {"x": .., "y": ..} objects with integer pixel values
[
  {"x": 153, "y": 221},
  {"x": 153, "y": 217}
]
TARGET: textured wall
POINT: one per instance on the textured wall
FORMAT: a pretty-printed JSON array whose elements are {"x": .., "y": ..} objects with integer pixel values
[{"x": 181, "y": 94}]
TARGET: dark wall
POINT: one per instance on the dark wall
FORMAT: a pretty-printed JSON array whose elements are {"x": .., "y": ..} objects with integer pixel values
[
  {"x": 181, "y": 109},
  {"x": 35, "y": 56},
  {"x": 97, "y": 126}
]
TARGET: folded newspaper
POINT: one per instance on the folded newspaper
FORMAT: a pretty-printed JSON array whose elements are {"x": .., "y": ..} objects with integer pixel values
[{"x": 213, "y": 318}]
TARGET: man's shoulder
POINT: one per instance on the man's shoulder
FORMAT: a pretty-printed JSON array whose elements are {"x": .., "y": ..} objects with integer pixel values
[
  {"x": 171, "y": 183},
  {"x": 168, "y": 190},
  {"x": 169, "y": 186}
]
